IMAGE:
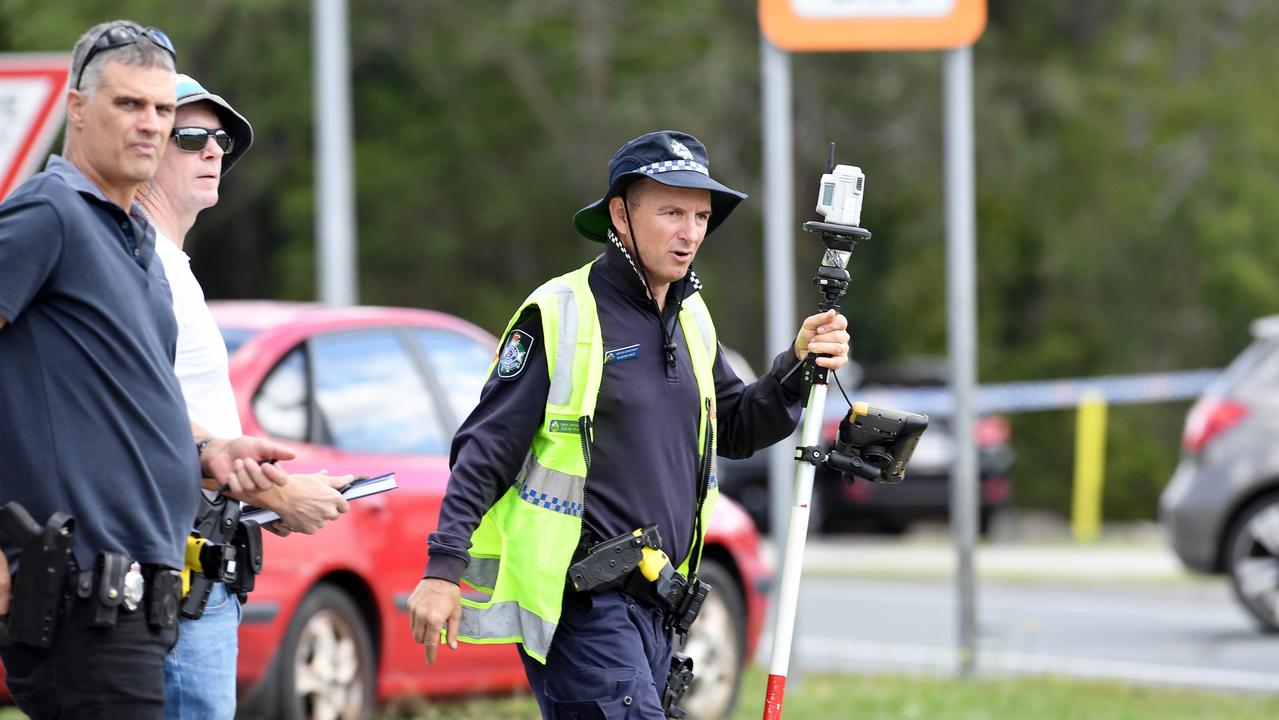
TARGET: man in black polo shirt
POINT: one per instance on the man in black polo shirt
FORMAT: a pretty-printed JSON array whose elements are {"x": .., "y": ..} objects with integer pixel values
[{"x": 92, "y": 421}]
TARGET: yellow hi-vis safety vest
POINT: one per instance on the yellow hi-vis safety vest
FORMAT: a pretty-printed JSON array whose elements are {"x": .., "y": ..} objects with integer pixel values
[{"x": 521, "y": 551}]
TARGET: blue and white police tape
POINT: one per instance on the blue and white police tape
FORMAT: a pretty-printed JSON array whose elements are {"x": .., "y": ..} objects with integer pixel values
[{"x": 1037, "y": 394}]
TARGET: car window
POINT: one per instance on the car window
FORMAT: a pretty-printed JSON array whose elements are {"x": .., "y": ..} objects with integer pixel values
[
  {"x": 371, "y": 396},
  {"x": 460, "y": 364},
  {"x": 1255, "y": 368},
  {"x": 235, "y": 337},
  {"x": 280, "y": 404}
]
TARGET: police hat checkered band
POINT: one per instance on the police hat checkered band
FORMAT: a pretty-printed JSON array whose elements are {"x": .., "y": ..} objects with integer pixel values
[
  {"x": 669, "y": 157},
  {"x": 669, "y": 165}
]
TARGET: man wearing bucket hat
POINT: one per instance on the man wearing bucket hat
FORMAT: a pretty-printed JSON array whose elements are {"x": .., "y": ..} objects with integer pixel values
[
  {"x": 610, "y": 373},
  {"x": 208, "y": 138}
]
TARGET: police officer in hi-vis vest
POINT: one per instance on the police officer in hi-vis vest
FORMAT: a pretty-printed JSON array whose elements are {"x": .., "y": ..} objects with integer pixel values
[{"x": 599, "y": 425}]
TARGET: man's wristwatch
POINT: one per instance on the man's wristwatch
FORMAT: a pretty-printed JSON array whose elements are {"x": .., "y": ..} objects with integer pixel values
[{"x": 199, "y": 447}]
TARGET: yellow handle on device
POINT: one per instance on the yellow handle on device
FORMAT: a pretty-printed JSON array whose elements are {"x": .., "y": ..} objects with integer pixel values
[
  {"x": 191, "y": 562},
  {"x": 653, "y": 562}
]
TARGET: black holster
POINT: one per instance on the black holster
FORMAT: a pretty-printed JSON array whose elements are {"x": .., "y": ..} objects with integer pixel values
[
  {"x": 40, "y": 582},
  {"x": 228, "y": 551},
  {"x": 677, "y": 682},
  {"x": 681, "y": 598},
  {"x": 615, "y": 563}
]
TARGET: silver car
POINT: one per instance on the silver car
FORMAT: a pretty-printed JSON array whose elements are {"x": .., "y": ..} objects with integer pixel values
[{"x": 1221, "y": 509}]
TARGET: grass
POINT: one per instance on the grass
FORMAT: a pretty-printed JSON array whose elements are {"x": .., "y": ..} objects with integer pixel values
[
  {"x": 909, "y": 697},
  {"x": 903, "y": 697}
]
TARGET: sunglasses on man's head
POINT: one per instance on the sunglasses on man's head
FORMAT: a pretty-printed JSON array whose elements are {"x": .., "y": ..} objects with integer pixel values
[
  {"x": 193, "y": 139},
  {"x": 121, "y": 35}
]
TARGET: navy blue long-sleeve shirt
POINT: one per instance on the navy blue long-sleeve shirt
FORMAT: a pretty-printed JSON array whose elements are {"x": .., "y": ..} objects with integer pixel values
[{"x": 645, "y": 457}]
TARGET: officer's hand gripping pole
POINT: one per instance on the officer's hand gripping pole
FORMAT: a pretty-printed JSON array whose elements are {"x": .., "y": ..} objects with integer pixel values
[{"x": 872, "y": 443}]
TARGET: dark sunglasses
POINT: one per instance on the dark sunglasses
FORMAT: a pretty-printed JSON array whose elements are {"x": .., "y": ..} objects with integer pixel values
[
  {"x": 193, "y": 139},
  {"x": 121, "y": 35}
]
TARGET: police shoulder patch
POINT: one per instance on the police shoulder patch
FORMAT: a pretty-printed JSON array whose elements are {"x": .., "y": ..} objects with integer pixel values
[{"x": 514, "y": 355}]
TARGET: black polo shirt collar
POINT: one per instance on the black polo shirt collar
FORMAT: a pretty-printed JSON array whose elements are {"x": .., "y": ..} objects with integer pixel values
[{"x": 137, "y": 234}]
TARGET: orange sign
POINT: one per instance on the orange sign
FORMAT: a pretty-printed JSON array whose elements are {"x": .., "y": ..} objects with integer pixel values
[
  {"x": 816, "y": 25},
  {"x": 32, "y": 91}
]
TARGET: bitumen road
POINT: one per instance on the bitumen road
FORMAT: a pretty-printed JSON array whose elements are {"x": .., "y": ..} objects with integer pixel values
[{"x": 1124, "y": 612}]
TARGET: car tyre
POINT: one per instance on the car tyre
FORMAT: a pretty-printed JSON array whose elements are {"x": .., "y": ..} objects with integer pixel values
[
  {"x": 326, "y": 666},
  {"x": 717, "y": 644},
  {"x": 1252, "y": 560}
]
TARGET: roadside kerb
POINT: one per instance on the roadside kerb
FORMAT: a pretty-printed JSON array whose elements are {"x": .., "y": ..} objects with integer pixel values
[{"x": 1100, "y": 562}]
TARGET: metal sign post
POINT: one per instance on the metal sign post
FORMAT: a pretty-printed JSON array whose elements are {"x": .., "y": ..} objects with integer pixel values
[
  {"x": 779, "y": 261},
  {"x": 961, "y": 333},
  {"x": 334, "y": 173}
]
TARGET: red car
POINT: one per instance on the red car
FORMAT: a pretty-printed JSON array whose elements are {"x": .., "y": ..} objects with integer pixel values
[
  {"x": 325, "y": 634},
  {"x": 374, "y": 390}
]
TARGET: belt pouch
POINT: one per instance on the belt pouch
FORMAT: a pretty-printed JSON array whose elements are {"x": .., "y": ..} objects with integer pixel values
[
  {"x": 193, "y": 604},
  {"x": 108, "y": 591},
  {"x": 164, "y": 593},
  {"x": 248, "y": 548}
]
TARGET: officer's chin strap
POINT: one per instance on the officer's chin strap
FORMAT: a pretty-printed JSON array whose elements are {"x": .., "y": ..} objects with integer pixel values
[{"x": 637, "y": 264}]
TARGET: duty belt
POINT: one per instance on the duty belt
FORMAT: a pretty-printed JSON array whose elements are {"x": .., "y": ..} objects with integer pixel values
[
  {"x": 117, "y": 584},
  {"x": 47, "y": 581},
  {"x": 635, "y": 564}
]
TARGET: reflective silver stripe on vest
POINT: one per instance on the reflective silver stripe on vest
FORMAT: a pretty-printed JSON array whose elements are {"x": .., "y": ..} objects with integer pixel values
[
  {"x": 705, "y": 328},
  {"x": 506, "y": 620},
  {"x": 551, "y": 489},
  {"x": 482, "y": 572},
  {"x": 565, "y": 348}
]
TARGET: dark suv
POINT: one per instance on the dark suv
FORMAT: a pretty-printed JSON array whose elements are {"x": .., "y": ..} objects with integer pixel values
[
  {"x": 1221, "y": 508},
  {"x": 925, "y": 494}
]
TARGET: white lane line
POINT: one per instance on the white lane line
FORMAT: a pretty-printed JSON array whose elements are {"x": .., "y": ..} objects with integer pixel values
[{"x": 814, "y": 650}]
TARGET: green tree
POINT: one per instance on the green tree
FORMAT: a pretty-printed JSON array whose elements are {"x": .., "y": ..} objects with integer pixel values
[{"x": 1126, "y": 156}]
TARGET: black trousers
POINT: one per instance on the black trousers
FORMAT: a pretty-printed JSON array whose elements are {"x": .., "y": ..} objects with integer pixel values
[{"x": 91, "y": 673}]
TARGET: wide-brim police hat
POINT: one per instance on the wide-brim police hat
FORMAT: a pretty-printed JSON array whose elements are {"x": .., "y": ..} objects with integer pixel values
[
  {"x": 191, "y": 91},
  {"x": 668, "y": 157}
]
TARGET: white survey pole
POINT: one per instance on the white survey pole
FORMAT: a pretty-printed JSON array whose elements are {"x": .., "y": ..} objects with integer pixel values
[
  {"x": 793, "y": 560},
  {"x": 779, "y": 256},
  {"x": 334, "y": 173},
  {"x": 961, "y": 331}
]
